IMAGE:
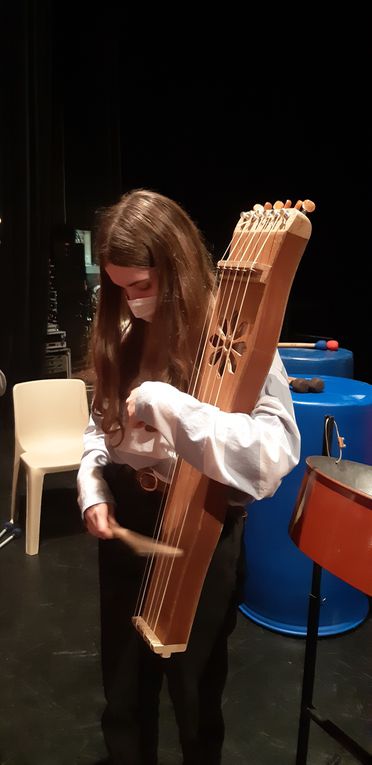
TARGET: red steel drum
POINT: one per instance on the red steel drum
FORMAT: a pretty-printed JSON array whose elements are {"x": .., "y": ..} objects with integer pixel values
[{"x": 332, "y": 519}]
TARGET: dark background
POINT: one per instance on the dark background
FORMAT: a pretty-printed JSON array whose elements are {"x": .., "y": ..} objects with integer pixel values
[{"x": 217, "y": 116}]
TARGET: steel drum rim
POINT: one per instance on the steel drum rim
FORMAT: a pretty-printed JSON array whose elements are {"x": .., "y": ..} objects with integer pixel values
[{"x": 313, "y": 461}]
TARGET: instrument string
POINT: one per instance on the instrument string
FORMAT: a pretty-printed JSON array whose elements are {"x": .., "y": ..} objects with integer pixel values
[
  {"x": 247, "y": 242},
  {"x": 164, "y": 567},
  {"x": 171, "y": 471},
  {"x": 224, "y": 289},
  {"x": 254, "y": 250},
  {"x": 206, "y": 335},
  {"x": 168, "y": 564},
  {"x": 224, "y": 321},
  {"x": 165, "y": 563},
  {"x": 242, "y": 252}
]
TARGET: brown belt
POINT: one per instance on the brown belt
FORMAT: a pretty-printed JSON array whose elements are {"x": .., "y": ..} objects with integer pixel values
[{"x": 149, "y": 481}]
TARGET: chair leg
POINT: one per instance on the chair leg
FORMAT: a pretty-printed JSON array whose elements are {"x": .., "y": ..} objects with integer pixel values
[
  {"x": 14, "y": 487},
  {"x": 35, "y": 480}
]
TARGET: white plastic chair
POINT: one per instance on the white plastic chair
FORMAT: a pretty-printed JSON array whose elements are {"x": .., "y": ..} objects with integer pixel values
[{"x": 50, "y": 417}]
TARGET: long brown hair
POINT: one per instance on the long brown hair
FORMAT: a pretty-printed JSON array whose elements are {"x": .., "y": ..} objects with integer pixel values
[{"x": 146, "y": 229}]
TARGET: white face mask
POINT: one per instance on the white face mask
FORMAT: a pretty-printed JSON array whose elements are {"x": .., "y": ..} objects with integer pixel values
[{"x": 143, "y": 308}]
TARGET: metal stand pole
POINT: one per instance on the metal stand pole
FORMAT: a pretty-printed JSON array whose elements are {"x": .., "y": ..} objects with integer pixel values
[{"x": 309, "y": 667}]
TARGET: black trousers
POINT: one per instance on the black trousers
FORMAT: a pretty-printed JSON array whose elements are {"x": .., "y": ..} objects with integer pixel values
[{"x": 132, "y": 673}]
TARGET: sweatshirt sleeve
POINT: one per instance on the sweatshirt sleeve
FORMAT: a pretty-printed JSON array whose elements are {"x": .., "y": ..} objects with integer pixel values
[
  {"x": 92, "y": 488},
  {"x": 251, "y": 453}
]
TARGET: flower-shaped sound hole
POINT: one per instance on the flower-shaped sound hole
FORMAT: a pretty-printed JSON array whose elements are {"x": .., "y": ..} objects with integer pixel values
[{"x": 228, "y": 346}]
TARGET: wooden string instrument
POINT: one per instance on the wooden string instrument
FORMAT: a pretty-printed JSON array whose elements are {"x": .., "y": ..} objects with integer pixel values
[{"x": 255, "y": 278}]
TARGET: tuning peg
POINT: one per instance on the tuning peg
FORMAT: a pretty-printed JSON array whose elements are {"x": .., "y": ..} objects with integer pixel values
[
  {"x": 278, "y": 205},
  {"x": 268, "y": 206},
  {"x": 288, "y": 203},
  {"x": 308, "y": 206},
  {"x": 258, "y": 208}
]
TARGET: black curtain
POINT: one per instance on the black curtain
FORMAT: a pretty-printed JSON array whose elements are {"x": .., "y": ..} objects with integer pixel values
[
  {"x": 26, "y": 169},
  {"x": 59, "y": 158}
]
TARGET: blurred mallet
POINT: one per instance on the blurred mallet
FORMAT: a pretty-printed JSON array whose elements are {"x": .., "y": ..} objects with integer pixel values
[
  {"x": 16, "y": 532},
  {"x": 321, "y": 345},
  {"x": 300, "y": 385},
  {"x": 142, "y": 545}
]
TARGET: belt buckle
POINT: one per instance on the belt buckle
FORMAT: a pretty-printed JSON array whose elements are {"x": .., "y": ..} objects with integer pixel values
[{"x": 147, "y": 479}]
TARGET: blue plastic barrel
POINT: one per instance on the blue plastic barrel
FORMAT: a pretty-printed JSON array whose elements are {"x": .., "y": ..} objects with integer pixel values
[
  {"x": 278, "y": 575},
  {"x": 300, "y": 362}
]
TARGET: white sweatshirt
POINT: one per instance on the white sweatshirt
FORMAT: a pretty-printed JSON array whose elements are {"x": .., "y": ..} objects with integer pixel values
[{"x": 251, "y": 453}]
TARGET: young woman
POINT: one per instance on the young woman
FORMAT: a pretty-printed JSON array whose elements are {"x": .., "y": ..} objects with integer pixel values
[{"x": 156, "y": 291}]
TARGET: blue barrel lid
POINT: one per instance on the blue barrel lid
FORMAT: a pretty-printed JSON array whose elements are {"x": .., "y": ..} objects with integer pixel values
[
  {"x": 316, "y": 361},
  {"x": 343, "y": 391}
]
